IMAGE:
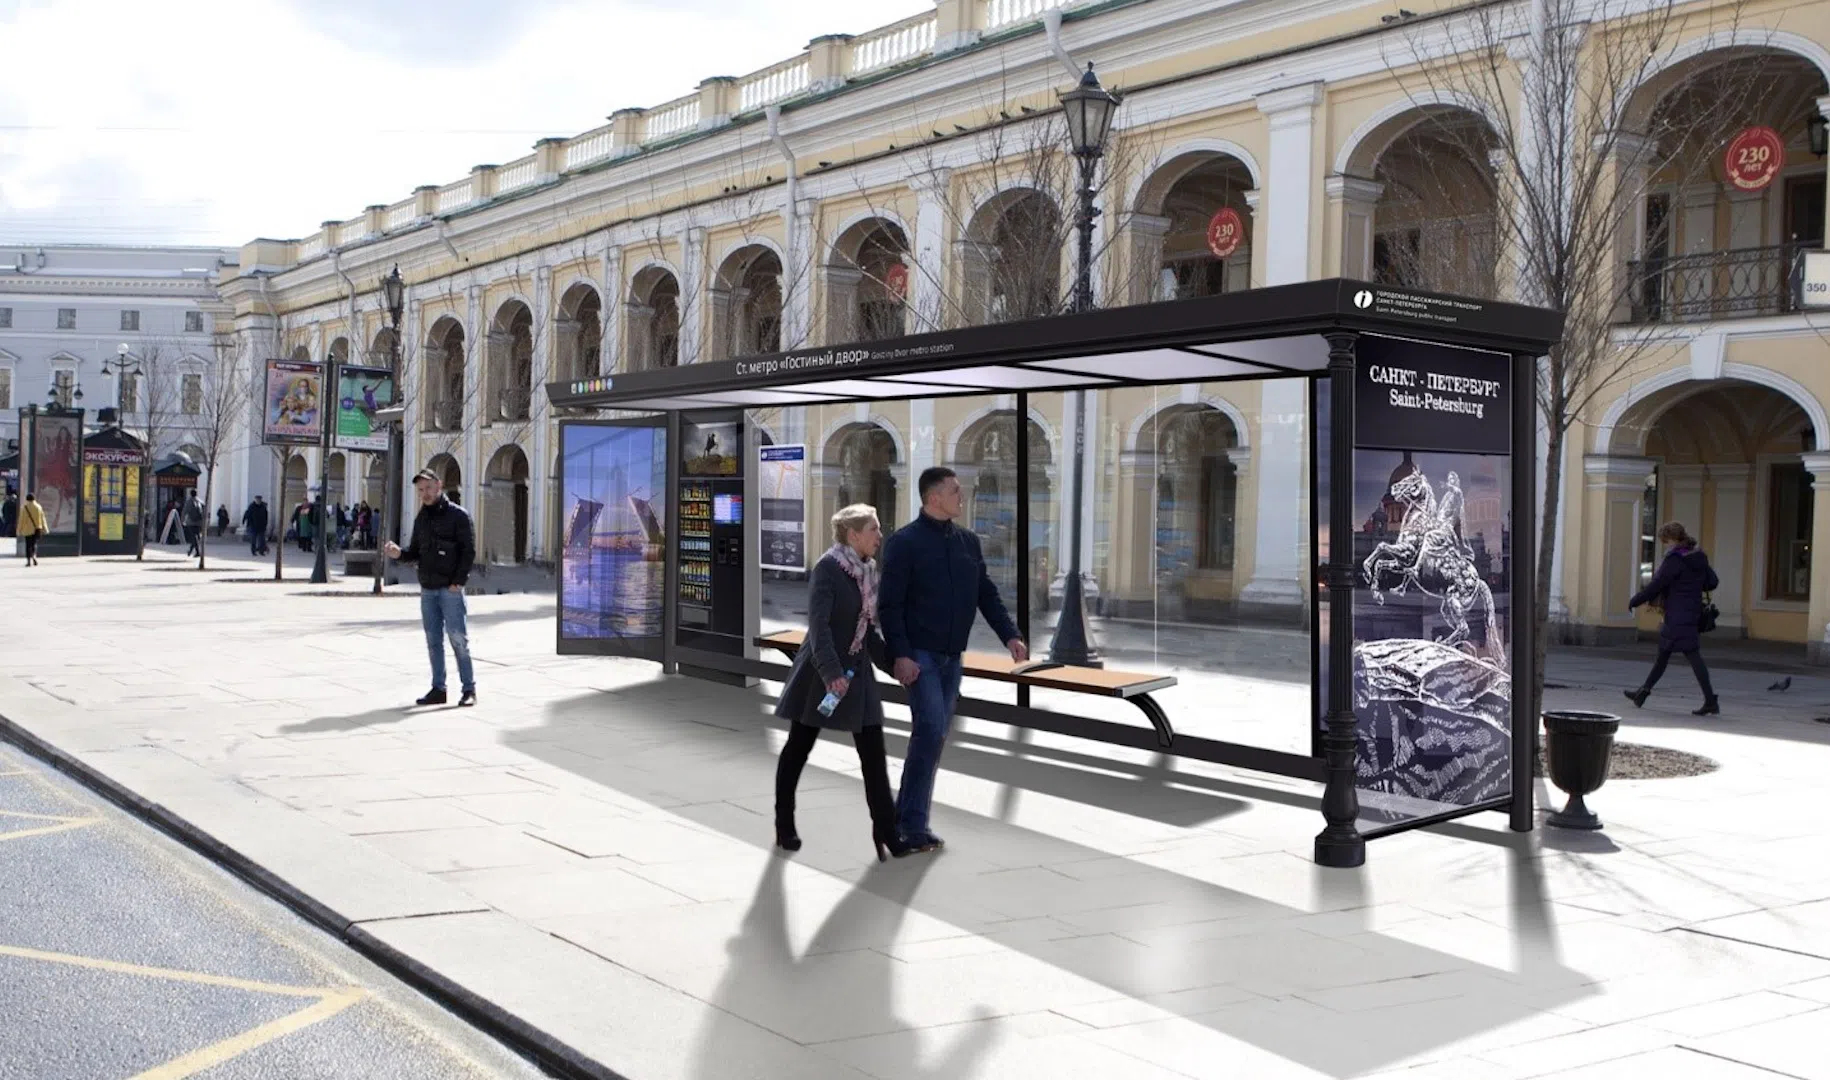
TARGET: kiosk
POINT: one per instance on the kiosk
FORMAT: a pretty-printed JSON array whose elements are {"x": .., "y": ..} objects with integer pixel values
[
  {"x": 113, "y": 464},
  {"x": 1242, "y": 625}
]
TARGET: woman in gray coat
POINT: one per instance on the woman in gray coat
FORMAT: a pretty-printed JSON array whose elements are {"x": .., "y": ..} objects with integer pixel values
[{"x": 842, "y": 643}]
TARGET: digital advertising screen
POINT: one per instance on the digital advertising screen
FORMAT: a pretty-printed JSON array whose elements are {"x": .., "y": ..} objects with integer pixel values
[{"x": 613, "y": 484}]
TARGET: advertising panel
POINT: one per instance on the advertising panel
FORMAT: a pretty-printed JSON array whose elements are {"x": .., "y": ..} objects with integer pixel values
[
  {"x": 1432, "y": 604},
  {"x": 293, "y": 403},
  {"x": 613, "y": 483},
  {"x": 782, "y": 481},
  {"x": 57, "y": 470},
  {"x": 361, "y": 392}
]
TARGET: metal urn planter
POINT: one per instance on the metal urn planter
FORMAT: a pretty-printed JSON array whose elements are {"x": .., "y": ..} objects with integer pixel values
[{"x": 1577, "y": 746}]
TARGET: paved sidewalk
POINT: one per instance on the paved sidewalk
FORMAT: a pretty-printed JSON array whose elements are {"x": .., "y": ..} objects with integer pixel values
[{"x": 589, "y": 850}]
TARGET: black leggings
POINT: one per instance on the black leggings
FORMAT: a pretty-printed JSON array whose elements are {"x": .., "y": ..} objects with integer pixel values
[
  {"x": 869, "y": 742},
  {"x": 1695, "y": 656},
  {"x": 31, "y": 552}
]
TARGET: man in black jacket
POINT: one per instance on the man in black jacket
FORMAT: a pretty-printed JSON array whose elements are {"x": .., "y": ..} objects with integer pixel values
[
  {"x": 934, "y": 582},
  {"x": 254, "y": 526},
  {"x": 445, "y": 546}
]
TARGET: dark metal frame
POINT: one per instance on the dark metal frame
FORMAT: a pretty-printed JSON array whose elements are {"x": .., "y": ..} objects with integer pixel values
[{"x": 1331, "y": 313}]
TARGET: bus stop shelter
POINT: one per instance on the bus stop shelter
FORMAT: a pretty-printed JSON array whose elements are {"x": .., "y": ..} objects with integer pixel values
[{"x": 1397, "y": 457}]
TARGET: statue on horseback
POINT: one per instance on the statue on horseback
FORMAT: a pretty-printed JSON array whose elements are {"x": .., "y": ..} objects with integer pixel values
[{"x": 1431, "y": 554}]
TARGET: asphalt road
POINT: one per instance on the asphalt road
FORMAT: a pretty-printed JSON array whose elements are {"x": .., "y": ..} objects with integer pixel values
[{"x": 124, "y": 954}]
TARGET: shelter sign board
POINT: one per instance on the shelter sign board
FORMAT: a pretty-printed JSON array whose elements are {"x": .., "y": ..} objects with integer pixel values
[
  {"x": 782, "y": 481},
  {"x": 1432, "y": 495}
]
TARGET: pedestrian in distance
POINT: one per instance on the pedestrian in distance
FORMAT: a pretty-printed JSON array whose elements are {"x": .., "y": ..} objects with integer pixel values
[
  {"x": 254, "y": 526},
  {"x": 831, "y": 686},
  {"x": 193, "y": 524},
  {"x": 934, "y": 581},
  {"x": 31, "y": 527},
  {"x": 9, "y": 514},
  {"x": 1679, "y": 586},
  {"x": 444, "y": 545}
]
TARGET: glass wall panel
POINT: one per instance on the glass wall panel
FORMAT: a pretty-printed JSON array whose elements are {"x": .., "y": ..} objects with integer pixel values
[{"x": 1195, "y": 551}]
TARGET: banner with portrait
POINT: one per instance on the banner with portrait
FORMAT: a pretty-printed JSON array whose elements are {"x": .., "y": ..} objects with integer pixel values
[
  {"x": 292, "y": 403},
  {"x": 57, "y": 457}
]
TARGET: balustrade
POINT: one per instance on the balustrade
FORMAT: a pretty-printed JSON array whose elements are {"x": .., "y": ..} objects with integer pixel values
[
  {"x": 894, "y": 44},
  {"x": 1736, "y": 283}
]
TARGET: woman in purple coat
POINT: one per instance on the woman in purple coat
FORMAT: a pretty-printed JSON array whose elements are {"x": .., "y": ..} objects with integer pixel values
[{"x": 1678, "y": 587}]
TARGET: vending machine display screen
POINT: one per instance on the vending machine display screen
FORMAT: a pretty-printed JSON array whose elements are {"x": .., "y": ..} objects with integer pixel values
[{"x": 727, "y": 510}]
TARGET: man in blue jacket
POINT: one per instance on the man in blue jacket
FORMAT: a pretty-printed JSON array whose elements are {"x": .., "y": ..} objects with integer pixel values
[{"x": 934, "y": 583}]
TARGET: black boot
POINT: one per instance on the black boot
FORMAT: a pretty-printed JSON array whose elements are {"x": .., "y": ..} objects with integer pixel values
[
  {"x": 1711, "y": 707},
  {"x": 1638, "y": 697},
  {"x": 785, "y": 836}
]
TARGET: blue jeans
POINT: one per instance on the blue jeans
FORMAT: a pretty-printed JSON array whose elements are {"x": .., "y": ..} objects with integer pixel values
[
  {"x": 442, "y": 612},
  {"x": 931, "y": 702}
]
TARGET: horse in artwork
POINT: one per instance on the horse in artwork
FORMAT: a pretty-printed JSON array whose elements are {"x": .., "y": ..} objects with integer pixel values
[{"x": 1430, "y": 555}]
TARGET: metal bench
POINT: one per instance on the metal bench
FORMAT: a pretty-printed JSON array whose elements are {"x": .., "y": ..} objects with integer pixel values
[{"x": 1129, "y": 686}]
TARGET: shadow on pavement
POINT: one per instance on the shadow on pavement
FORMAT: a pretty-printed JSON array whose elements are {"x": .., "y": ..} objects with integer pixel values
[
  {"x": 764, "y": 977},
  {"x": 323, "y": 724},
  {"x": 1201, "y": 934}
]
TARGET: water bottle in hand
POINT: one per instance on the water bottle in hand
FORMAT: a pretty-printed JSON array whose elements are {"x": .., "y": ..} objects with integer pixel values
[{"x": 831, "y": 700}]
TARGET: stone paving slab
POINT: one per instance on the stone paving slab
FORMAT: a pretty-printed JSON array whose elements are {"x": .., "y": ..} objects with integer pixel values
[{"x": 589, "y": 851}]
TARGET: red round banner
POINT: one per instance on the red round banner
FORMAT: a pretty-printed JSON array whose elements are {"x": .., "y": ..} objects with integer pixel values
[
  {"x": 896, "y": 278},
  {"x": 1225, "y": 233},
  {"x": 1754, "y": 158}
]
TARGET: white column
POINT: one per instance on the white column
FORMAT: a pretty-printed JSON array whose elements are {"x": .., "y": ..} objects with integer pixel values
[
  {"x": 1817, "y": 626},
  {"x": 1683, "y": 493},
  {"x": 1728, "y": 547},
  {"x": 693, "y": 297},
  {"x": 1283, "y": 411},
  {"x": 476, "y": 386},
  {"x": 615, "y": 297},
  {"x": 797, "y": 318},
  {"x": 924, "y": 452},
  {"x": 1291, "y": 116},
  {"x": 933, "y": 235},
  {"x": 1352, "y": 202},
  {"x": 540, "y": 469}
]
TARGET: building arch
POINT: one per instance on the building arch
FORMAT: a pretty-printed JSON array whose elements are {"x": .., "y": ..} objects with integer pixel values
[
  {"x": 1193, "y": 151},
  {"x": 860, "y": 464},
  {"x": 1632, "y": 415},
  {"x": 578, "y": 329},
  {"x": 1656, "y": 78},
  {"x": 651, "y": 319},
  {"x": 444, "y": 375},
  {"x": 1135, "y": 435},
  {"x": 1012, "y": 257},
  {"x": 504, "y": 506},
  {"x": 511, "y": 363},
  {"x": 295, "y": 479},
  {"x": 749, "y": 298},
  {"x": 449, "y": 472},
  {"x": 973, "y": 418},
  {"x": 868, "y": 282},
  {"x": 1364, "y": 146}
]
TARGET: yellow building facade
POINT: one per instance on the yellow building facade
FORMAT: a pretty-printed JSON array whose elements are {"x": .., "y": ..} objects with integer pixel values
[{"x": 916, "y": 177}]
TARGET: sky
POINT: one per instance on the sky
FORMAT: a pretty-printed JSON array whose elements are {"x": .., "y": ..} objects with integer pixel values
[{"x": 217, "y": 121}]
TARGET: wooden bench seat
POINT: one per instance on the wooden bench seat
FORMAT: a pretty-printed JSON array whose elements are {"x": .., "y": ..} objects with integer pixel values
[{"x": 1130, "y": 686}]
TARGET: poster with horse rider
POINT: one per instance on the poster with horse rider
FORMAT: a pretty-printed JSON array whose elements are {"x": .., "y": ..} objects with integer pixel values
[{"x": 1432, "y": 607}]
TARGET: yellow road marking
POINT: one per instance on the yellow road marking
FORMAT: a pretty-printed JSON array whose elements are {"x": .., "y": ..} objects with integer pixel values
[
  {"x": 36, "y": 817},
  {"x": 173, "y": 974},
  {"x": 64, "y": 826},
  {"x": 215, "y": 1054}
]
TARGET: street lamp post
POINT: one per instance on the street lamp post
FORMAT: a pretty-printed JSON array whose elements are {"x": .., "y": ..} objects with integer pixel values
[
  {"x": 1088, "y": 109},
  {"x": 393, "y": 296},
  {"x": 123, "y": 366}
]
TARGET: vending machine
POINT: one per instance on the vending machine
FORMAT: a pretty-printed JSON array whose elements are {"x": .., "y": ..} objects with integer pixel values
[{"x": 710, "y": 612}]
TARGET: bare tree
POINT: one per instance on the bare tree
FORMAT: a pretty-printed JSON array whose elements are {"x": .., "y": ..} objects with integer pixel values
[
  {"x": 149, "y": 408},
  {"x": 221, "y": 419},
  {"x": 1571, "y": 141}
]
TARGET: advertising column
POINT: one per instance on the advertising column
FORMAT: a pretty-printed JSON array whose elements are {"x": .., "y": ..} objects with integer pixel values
[{"x": 1432, "y": 605}]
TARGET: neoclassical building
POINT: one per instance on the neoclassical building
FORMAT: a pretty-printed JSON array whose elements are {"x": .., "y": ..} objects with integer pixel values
[{"x": 916, "y": 177}]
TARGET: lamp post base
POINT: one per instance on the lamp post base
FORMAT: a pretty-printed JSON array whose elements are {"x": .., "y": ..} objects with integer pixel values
[{"x": 1072, "y": 644}]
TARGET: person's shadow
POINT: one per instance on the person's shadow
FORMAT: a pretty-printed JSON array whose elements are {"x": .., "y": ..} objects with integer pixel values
[{"x": 765, "y": 979}]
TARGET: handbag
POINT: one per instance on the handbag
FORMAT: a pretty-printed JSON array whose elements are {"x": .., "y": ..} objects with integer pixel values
[{"x": 1706, "y": 620}]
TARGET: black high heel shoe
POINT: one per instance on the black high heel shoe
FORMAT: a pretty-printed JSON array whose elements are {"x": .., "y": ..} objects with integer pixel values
[
  {"x": 892, "y": 845},
  {"x": 785, "y": 836},
  {"x": 1638, "y": 697},
  {"x": 1711, "y": 707}
]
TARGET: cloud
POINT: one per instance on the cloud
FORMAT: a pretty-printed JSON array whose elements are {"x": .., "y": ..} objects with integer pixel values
[{"x": 221, "y": 120}]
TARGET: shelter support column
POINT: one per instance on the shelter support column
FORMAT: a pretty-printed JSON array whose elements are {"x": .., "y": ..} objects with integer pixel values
[
  {"x": 1728, "y": 547},
  {"x": 1340, "y": 843},
  {"x": 1818, "y": 627},
  {"x": 1615, "y": 488}
]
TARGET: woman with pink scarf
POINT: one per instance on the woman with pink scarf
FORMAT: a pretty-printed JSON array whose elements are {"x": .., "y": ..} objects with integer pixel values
[{"x": 842, "y": 643}]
